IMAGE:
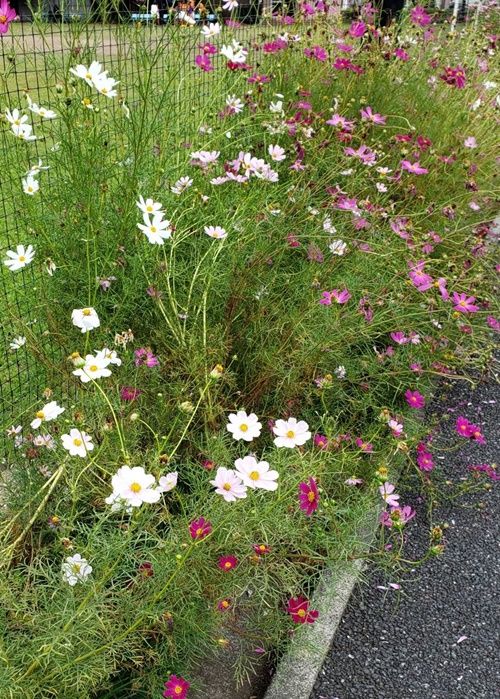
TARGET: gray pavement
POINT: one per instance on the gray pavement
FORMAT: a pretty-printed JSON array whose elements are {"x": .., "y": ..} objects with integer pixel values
[{"x": 438, "y": 637}]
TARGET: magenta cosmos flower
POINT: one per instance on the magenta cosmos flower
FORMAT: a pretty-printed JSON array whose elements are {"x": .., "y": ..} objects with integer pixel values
[
  {"x": 200, "y": 528},
  {"x": 261, "y": 549},
  {"x": 415, "y": 399},
  {"x": 7, "y": 15},
  {"x": 308, "y": 496},
  {"x": 420, "y": 17},
  {"x": 357, "y": 29},
  {"x": 424, "y": 459},
  {"x": 320, "y": 441},
  {"x": 176, "y": 687},
  {"x": 129, "y": 393},
  {"x": 227, "y": 562},
  {"x": 364, "y": 446},
  {"x": 204, "y": 62},
  {"x": 298, "y": 608},
  {"x": 340, "y": 297},
  {"x": 454, "y": 76},
  {"x": 463, "y": 303},
  {"x": 469, "y": 430},
  {"x": 367, "y": 114},
  {"x": 144, "y": 356}
]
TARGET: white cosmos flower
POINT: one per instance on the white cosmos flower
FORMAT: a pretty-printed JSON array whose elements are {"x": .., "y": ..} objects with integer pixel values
[
  {"x": 212, "y": 30},
  {"x": 277, "y": 153},
  {"x": 216, "y": 232},
  {"x": 276, "y": 107},
  {"x": 30, "y": 185},
  {"x": 235, "y": 53},
  {"x": 338, "y": 247},
  {"x": 133, "y": 486},
  {"x": 42, "y": 112},
  {"x": 149, "y": 206},
  {"x": 228, "y": 484},
  {"x": 168, "y": 482},
  {"x": 49, "y": 412},
  {"x": 19, "y": 124},
  {"x": 35, "y": 169},
  {"x": 235, "y": 104},
  {"x": 85, "y": 318},
  {"x": 20, "y": 258},
  {"x": 328, "y": 225},
  {"x": 243, "y": 426},
  {"x": 291, "y": 433},
  {"x": 17, "y": 343},
  {"x": 157, "y": 229},
  {"x": 76, "y": 569},
  {"x": 181, "y": 185},
  {"x": 109, "y": 355},
  {"x": 90, "y": 74},
  {"x": 93, "y": 368},
  {"x": 256, "y": 474},
  {"x": 230, "y": 5},
  {"x": 78, "y": 443},
  {"x": 106, "y": 86}
]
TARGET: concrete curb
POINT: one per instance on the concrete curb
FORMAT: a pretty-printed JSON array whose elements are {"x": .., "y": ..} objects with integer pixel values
[{"x": 297, "y": 671}]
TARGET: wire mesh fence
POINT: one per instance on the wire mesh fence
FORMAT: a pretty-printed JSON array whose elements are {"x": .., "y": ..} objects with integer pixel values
[{"x": 35, "y": 54}]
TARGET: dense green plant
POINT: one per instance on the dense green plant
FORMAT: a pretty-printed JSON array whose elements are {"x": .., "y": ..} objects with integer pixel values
[{"x": 207, "y": 326}]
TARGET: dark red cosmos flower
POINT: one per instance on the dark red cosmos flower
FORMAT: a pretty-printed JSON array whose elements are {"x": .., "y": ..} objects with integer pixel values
[
  {"x": 200, "y": 528},
  {"x": 298, "y": 608},
  {"x": 227, "y": 562}
]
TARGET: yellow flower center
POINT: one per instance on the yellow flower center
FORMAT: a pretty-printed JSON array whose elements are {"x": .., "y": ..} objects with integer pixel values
[
  {"x": 77, "y": 442},
  {"x": 149, "y": 208},
  {"x": 228, "y": 564},
  {"x": 40, "y": 414},
  {"x": 87, "y": 312},
  {"x": 93, "y": 367},
  {"x": 22, "y": 258},
  {"x": 290, "y": 434},
  {"x": 254, "y": 475},
  {"x": 244, "y": 427},
  {"x": 199, "y": 531},
  {"x": 136, "y": 488},
  {"x": 226, "y": 486},
  {"x": 3, "y": 19},
  {"x": 88, "y": 76},
  {"x": 17, "y": 122},
  {"x": 301, "y": 613},
  {"x": 76, "y": 567},
  {"x": 178, "y": 689},
  {"x": 262, "y": 547},
  {"x": 311, "y": 496},
  {"x": 153, "y": 229},
  {"x": 225, "y": 604}
]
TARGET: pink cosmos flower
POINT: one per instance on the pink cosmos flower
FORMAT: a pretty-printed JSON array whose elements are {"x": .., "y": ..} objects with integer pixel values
[
  {"x": 441, "y": 283},
  {"x": 463, "y": 303},
  {"x": 298, "y": 608},
  {"x": 338, "y": 120},
  {"x": 400, "y": 338},
  {"x": 469, "y": 430},
  {"x": 7, "y": 15},
  {"x": 357, "y": 29},
  {"x": 316, "y": 52},
  {"x": 454, "y": 76},
  {"x": 364, "y": 446},
  {"x": 336, "y": 295},
  {"x": 320, "y": 441},
  {"x": 387, "y": 492},
  {"x": 367, "y": 114},
  {"x": 200, "y": 528},
  {"x": 486, "y": 468},
  {"x": 204, "y": 62},
  {"x": 493, "y": 323},
  {"x": 144, "y": 356},
  {"x": 176, "y": 688},
  {"x": 420, "y": 17},
  {"x": 397, "y": 516},
  {"x": 415, "y": 168},
  {"x": 415, "y": 399},
  {"x": 425, "y": 461},
  {"x": 402, "y": 54},
  {"x": 261, "y": 549},
  {"x": 259, "y": 79},
  {"x": 227, "y": 562},
  {"x": 224, "y": 605},
  {"x": 364, "y": 153},
  {"x": 129, "y": 393},
  {"x": 470, "y": 142},
  {"x": 419, "y": 278},
  {"x": 308, "y": 496}
]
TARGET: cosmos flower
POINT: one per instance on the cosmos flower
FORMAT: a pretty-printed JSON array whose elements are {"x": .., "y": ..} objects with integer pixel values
[
  {"x": 176, "y": 687},
  {"x": 85, "y": 318},
  {"x": 387, "y": 492},
  {"x": 92, "y": 368},
  {"x": 229, "y": 484},
  {"x": 243, "y": 426},
  {"x": 463, "y": 303},
  {"x": 168, "y": 482},
  {"x": 199, "y": 528},
  {"x": 133, "y": 486},
  {"x": 77, "y": 443},
  {"x": 308, "y": 496},
  {"x": 30, "y": 185},
  {"x": 415, "y": 399},
  {"x": 76, "y": 569},
  {"x": 291, "y": 433},
  {"x": 49, "y": 412},
  {"x": 298, "y": 608},
  {"x": 256, "y": 474},
  {"x": 20, "y": 258},
  {"x": 215, "y": 232},
  {"x": 227, "y": 563}
]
